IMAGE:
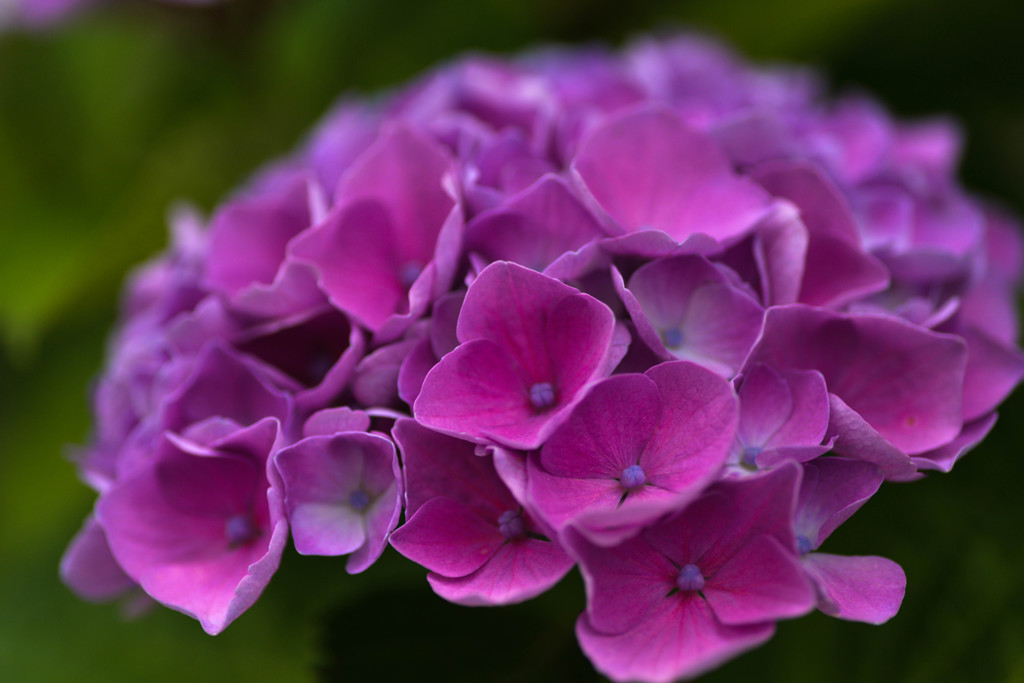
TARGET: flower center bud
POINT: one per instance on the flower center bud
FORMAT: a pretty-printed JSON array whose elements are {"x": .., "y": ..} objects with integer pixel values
[
  {"x": 408, "y": 272},
  {"x": 690, "y": 578},
  {"x": 803, "y": 545},
  {"x": 319, "y": 365},
  {"x": 672, "y": 337},
  {"x": 239, "y": 530},
  {"x": 511, "y": 524},
  {"x": 359, "y": 499},
  {"x": 749, "y": 457},
  {"x": 633, "y": 477},
  {"x": 542, "y": 395}
]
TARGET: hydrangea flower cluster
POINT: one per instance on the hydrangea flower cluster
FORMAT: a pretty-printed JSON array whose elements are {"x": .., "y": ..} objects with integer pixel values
[
  {"x": 659, "y": 315},
  {"x": 41, "y": 13}
]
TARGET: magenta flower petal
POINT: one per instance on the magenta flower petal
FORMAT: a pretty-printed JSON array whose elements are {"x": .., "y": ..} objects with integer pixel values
[
  {"x": 636, "y": 447},
  {"x": 730, "y": 513},
  {"x": 514, "y": 377},
  {"x": 905, "y": 382},
  {"x": 832, "y": 489},
  {"x": 403, "y": 171},
  {"x": 223, "y": 385},
  {"x": 332, "y": 420},
  {"x": 392, "y": 211},
  {"x": 766, "y": 404},
  {"x": 944, "y": 457},
  {"x": 375, "y": 381},
  {"x": 763, "y": 581},
  {"x": 634, "y": 581},
  {"x": 607, "y": 431},
  {"x": 478, "y": 392},
  {"x": 692, "y": 396},
  {"x": 993, "y": 370},
  {"x": 684, "y": 307},
  {"x": 248, "y": 237},
  {"x": 780, "y": 252},
  {"x": 446, "y": 537},
  {"x": 647, "y": 169},
  {"x": 518, "y": 571},
  {"x": 678, "y": 639},
  {"x": 88, "y": 567},
  {"x": 357, "y": 267},
  {"x": 436, "y": 465},
  {"x": 334, "y": 485},
  {"x": 413, "y": 371},
  {"x": 783, "y": 415},
  {"x": 856, "y": 438},
  {"x": 534, "y": 228},
  {"x": 200, "y": 557},
  {"x": 837, "y": 270},
  {"x": 868, "y": 589}
]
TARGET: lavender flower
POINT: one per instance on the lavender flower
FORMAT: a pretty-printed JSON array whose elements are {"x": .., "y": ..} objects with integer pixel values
[{"x": 661, "y": 314}]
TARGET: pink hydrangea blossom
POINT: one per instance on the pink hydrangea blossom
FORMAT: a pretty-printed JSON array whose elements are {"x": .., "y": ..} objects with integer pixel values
[{"x": 659, "y": 314}]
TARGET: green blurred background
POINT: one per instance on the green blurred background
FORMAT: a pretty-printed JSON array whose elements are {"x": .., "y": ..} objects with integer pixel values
[{"x": 107, "y": 120}]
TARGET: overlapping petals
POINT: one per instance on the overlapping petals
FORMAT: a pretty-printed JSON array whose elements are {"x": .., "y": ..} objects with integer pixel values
[
  {"x": 662, "y": 315},
  {"x": 201, "y": 526},
  {"x": 698, "y": 587},
  {"x": 530, "y": 346},
  {"x": 636, "y": 447},
  {"x": 466, "y": 527}
]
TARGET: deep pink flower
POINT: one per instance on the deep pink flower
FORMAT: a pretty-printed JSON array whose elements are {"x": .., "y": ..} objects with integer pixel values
[
  {"x": 201, "y": 525},
  {"x": 648, "y": 170},
  {"x": 619, "y": 303},
  {"x": 698, "y": 587},
  {"x": 343, "y": 495},
  {"x": 894, "y": 388},
  {"x": 390, "y": 245},
  {"x": 464, "y": 525},
  {"x": 856, "y": 588},
  {"x": 684, "y": 307},
  {"x": 637, "y": 447},
  {"x": 783, "y": 416},
  {"x": 530, "y": 346}
]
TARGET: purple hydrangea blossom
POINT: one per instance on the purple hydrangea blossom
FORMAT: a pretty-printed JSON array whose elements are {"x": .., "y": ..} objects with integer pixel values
[
  {"x": 343, "y": 495},
  {"x": 697, "y": 587},
  {"x": 464, "y": 524},
  {"x": 783, "y": 416},
  {"x": 530, "y": 346},
  {"x": 201, "y": 525},
  {"x": 36, "y": 14},
  {"x": 662, "y": 314},
  {"x": 857, "y": 588},
  {"x": 636, "y": 447},
  {"x": 685, "y": 307}
]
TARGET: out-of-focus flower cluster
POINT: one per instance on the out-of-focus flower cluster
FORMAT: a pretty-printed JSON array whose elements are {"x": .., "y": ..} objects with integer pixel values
[
  {"x": 659, "y": 315},
  {"x": 40, "y": 13}
]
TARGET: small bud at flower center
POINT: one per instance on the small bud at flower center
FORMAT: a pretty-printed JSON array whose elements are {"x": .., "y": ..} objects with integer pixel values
[
  {"x": 239, "y": 530},
  {"x": 408, "y": 272},
  {"x": 511, "y": 525},
  {"x": 633, "y": 477},
  {"x": 542, "y": 395},
  {"x": 359, "y": 499},
  {"x": 749, "y": 457},
  {"x": 672, "y": 337},
  {"x": 690, "y": 578},
  {"x": 803, "y": 545}
]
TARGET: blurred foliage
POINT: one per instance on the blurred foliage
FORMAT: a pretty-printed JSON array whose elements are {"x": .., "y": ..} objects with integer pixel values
[{"x": 108, "y": 120}]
